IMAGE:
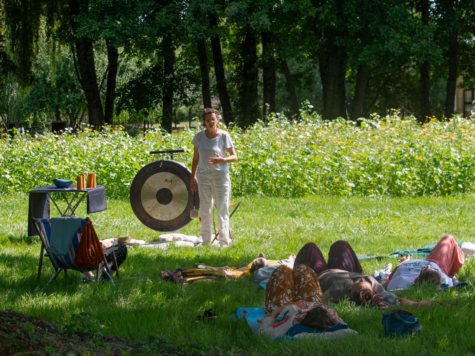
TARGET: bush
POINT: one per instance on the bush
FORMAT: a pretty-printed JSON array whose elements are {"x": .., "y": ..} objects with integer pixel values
[{"x": 280, "y": 158}]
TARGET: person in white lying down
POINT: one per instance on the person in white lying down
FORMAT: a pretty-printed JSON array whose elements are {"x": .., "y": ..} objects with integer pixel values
[{"x": 438, "y": 268}]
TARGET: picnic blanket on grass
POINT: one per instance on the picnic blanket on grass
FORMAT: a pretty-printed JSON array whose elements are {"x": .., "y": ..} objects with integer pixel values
[
  {"x": 422, "y": 251},
  {"x": 297, "y": 332}
]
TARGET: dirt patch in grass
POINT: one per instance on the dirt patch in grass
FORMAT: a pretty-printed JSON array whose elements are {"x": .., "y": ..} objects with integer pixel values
[{"x": 24, "y": 335}]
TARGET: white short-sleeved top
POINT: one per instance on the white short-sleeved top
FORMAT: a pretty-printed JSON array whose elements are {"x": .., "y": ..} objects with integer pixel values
[
  {"x": 208, "y": 147},
  {"x": 407, "y": 273}
]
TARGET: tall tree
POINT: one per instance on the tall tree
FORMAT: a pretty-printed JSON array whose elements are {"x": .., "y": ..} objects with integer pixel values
[
  {"x": 268, "y": 73},
  {"x": 169, "y": 73},
  {"x": 219, "y": 68},
  {"x": 362, "y": 78},
  {"x": 290, "y": 88},
  {"x": 425, "y": 68},
  {"x": 454, "y": 19},
  {"x": 112, "y": 68},
  {"x": 204, "y": 71},
  {"x": 85, "y": 58},
  {"x": 248, "y": 103}
]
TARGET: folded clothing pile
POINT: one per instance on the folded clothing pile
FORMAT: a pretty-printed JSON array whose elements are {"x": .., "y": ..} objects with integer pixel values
[
  {"x": 132, "y": 242},
  {"x": 180, "y": 237}
]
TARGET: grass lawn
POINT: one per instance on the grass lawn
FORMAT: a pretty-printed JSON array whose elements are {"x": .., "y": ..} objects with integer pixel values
[{"x": 140, "y": 307}]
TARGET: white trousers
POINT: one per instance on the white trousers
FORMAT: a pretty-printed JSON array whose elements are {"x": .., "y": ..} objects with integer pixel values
[{"x": 214, "y": 185}]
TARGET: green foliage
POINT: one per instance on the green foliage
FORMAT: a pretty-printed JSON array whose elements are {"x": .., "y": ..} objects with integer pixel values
[
  {"x": 385, "y": 156},
  {"x": 12, "y": 100},
  {"x": 56, "y": 87},
  {"x": 145, "y": 91},
  {"x": 53, "y": 85}
]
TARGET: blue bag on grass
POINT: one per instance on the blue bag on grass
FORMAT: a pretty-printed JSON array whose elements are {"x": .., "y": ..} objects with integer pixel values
[{"x": 400, "y": 322}]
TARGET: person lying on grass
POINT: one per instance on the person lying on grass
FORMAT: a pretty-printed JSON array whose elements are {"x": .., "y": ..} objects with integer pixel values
[
  {"x": 343, "y": 277},
  {"x": 341, "y": 274},
  {"x": 261, "y": 262},
  {"x": 295, "y": 297},
  {"x": 442, "y": 263}
]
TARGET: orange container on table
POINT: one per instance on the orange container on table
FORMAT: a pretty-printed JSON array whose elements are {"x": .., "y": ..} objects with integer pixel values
[
  {"x": 91, "y": 180},
  {"x": 81, "y": 182}
]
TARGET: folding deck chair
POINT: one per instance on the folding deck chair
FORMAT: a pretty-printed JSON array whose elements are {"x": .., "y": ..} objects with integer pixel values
[
  {"x": 65, "y": 262},
  {"x": 216, "y": 234}
]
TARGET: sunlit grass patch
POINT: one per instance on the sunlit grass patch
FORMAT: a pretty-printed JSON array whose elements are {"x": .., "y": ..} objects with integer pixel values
[{"x": 141, "y": 307}]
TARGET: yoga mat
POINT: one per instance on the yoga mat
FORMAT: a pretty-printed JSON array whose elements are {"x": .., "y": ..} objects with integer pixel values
[{"x": 251, "y": 315}]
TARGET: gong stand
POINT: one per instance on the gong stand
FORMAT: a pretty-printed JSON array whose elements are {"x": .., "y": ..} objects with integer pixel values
[
  {"x": 160, "y": 194},
  {"x": 170, "y": 152}
]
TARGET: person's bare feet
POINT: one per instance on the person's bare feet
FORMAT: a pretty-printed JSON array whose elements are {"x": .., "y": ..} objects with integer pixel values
[
  {"x": 292, "y": 256},
  {"x": 405, "y": 259}
]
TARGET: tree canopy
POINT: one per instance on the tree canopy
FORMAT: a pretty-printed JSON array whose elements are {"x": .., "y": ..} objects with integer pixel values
[{"x": 96, "y": 59}]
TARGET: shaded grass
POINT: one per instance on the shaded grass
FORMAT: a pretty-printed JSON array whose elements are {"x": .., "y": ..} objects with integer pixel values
[{"x": 140, "y": 306}]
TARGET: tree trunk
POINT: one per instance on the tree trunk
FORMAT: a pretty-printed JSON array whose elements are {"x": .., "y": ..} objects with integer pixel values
[
  {"x": 113, "y": 57},
  {"x": 268, "y": 74},
  {"x": 248, "y": 93},
  {"x": 168, "y": 71},
  {"x": 87, "y": 68},
  {"x": 291, "y": 89},
  {"x": 425, "y": 70},
  {"x": 57, "y": 113},
  {"x": 332, "y": 71},
  {"x": 73, "y": 116},
  {"x": 219, "y": 71},
  {"x": 205, "y": 86},
  {"x": 425, "y": 92},
  {"x": 452, "y": 79},
  {"x": 362, "y": 78},
  {"x": 341, "y": 87}
]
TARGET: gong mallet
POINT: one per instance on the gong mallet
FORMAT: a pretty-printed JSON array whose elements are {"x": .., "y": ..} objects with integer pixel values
[{"x": 194, "y": 213}]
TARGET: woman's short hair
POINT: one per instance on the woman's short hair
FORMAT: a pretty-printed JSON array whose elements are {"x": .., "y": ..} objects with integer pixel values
[
  {"x": 361, "y": 293},
  {"x": 429, "y": 276},
  {"x": 318, "y": 318},
  {"x": 207, "y": 111}
]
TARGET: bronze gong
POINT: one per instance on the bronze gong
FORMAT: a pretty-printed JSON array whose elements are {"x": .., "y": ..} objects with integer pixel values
[{"x": 161, "y": 197}]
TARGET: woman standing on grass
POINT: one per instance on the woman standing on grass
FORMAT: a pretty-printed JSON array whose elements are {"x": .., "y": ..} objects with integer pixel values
[{"x": 210, "y": 166}]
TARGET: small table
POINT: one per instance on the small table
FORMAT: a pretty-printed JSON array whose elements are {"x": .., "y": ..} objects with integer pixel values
[{"x": 39, "y": 206}]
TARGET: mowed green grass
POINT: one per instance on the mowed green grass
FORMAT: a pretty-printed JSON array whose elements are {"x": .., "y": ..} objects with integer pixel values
[{"x": 141, "y": 305}]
